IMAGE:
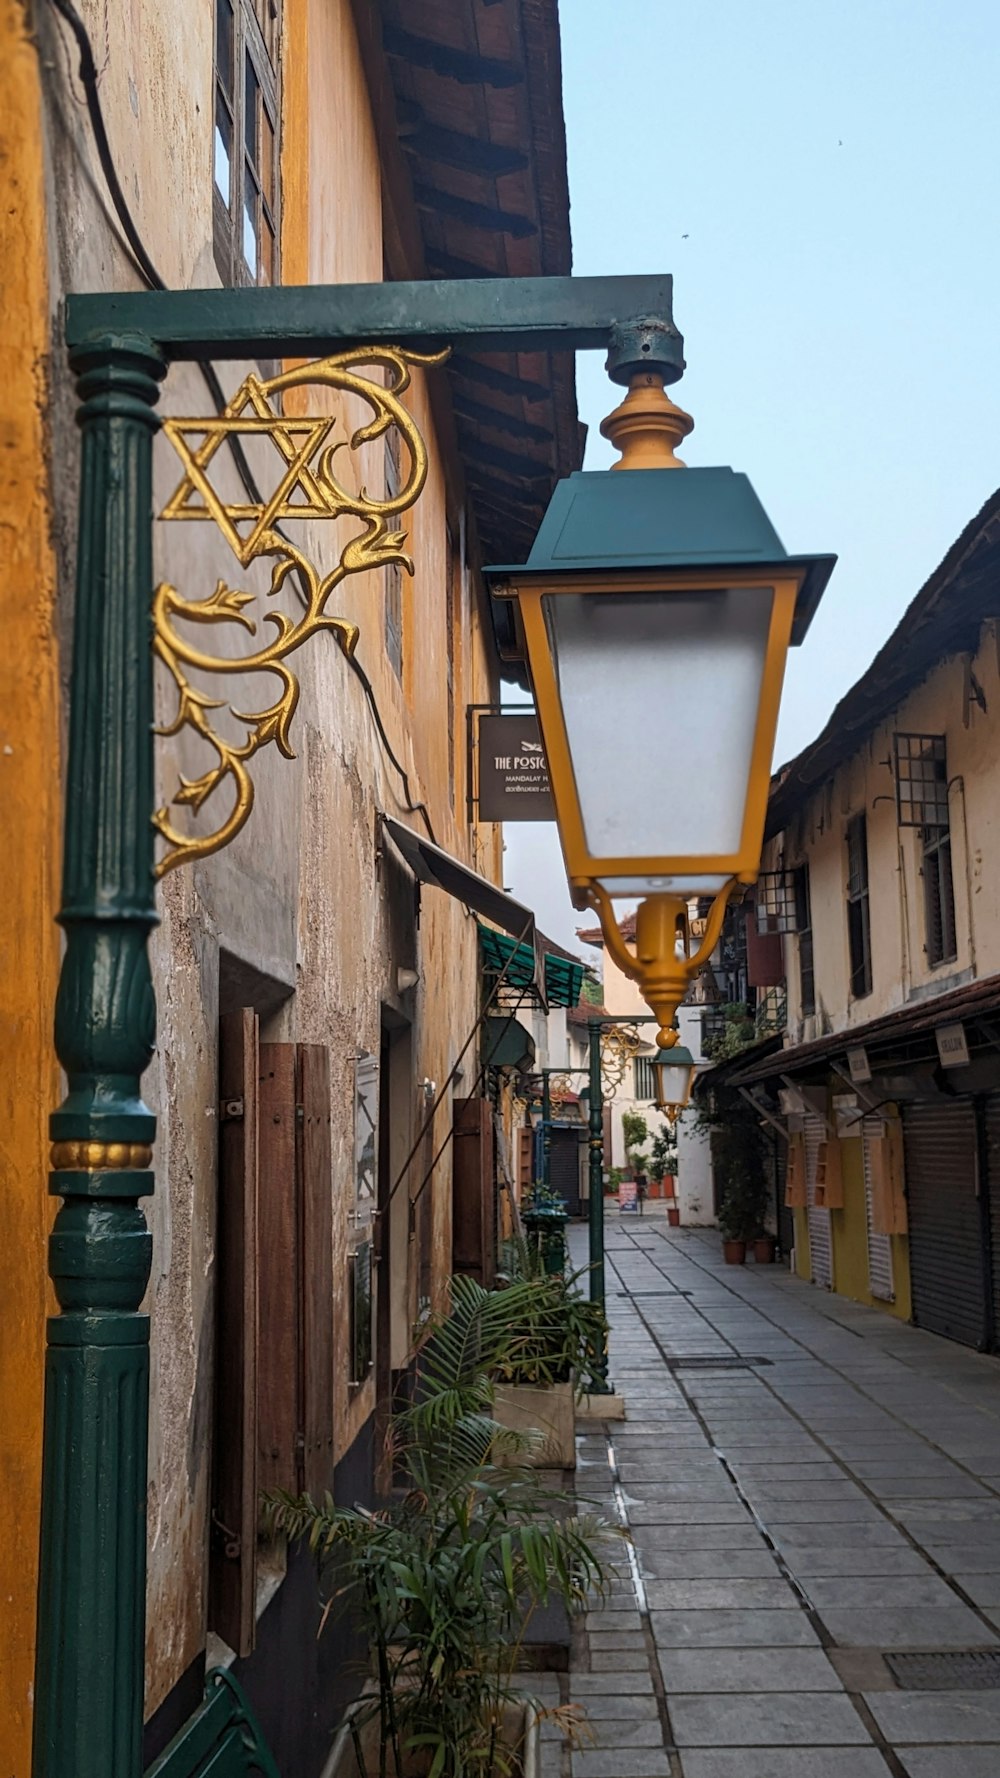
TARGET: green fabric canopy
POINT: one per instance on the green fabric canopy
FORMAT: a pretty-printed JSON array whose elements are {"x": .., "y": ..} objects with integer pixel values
[{"x": 563, "y": 978}]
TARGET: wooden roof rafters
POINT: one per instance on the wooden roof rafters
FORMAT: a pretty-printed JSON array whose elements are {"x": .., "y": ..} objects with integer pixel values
[{"x": 468, "y": 103}]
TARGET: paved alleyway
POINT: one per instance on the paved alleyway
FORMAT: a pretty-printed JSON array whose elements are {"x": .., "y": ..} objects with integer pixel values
[{"x": 811, "y": 1487}]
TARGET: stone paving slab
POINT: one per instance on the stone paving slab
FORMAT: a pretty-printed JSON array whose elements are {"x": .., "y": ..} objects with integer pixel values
[
  {"x": 639, "y": 1762},
  {"x": 791, "y": 1762},
  {"x": 790, "y": 1719},
  {"x": 721, "y": 1595},
  {"x": 920, "y": 1717},
  {"x": 918, "y": 1627},
  {"x": 949, "y": 1762},
  {"x": 747, "y": 1670},
  {"x": 897, "y": 1559},
  {"x": 732, "y": 1629},
  {"x": 725, "y": 1564},
  {"x": 880, "y": 1591}
]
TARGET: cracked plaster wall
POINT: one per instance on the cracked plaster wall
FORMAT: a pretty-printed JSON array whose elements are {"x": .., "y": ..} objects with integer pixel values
[{"x": 298, "y": 895}]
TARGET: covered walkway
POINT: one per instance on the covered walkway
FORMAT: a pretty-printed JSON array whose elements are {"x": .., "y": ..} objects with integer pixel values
[{"x": 814, "y": 1492}]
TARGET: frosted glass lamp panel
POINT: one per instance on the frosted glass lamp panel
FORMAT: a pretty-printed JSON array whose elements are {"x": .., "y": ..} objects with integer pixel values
[
  {"x": 660, "y": 694},
  {"x": 633, "y": 886},
  {"x": 673, "y": 1082}
]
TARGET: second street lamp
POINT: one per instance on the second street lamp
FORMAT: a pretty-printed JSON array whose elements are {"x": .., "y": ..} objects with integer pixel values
[
  {"x": 671, "y": 596},
  {"x": 673, "y": 1072}
]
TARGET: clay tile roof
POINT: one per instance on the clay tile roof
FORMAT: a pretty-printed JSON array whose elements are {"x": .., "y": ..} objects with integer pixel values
[{"x": 592, "y": 935}]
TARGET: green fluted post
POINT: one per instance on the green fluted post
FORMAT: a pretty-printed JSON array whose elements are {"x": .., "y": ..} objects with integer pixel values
[
  {"x": 546, "y": 1129},
  {"x": 92, "y": 1584},
  {"x": 599, "y": 1382}
]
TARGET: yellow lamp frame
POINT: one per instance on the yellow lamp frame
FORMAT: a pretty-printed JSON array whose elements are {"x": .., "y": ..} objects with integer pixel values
[
  {"x": 662, "y": 972},
  {"x": 583, "y": 867}
]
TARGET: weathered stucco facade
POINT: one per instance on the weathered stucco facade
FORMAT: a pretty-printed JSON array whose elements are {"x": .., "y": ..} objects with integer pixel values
[
  {"x": 880, "y": 867},
  {"x": 309, "y": 916}
]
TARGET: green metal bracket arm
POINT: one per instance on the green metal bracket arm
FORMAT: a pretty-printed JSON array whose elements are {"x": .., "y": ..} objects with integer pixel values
[{"x": 491, "y": 314}]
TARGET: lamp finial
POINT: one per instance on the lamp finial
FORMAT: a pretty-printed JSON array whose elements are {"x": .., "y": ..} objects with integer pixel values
[{"x": 647, "y": 426}]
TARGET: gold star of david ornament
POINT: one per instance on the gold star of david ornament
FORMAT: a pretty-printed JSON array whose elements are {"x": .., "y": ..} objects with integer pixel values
[{"x": 304, "y": 485}]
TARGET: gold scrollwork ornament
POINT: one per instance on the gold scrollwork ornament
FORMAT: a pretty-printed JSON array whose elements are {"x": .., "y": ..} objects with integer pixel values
[
  {"x": 307, "y": 488},
  {"x": 619, "y": 1044}
]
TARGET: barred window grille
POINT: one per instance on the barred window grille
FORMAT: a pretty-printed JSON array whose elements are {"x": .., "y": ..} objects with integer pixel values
[
  {"x": 644, "y": 1085},
  {"x": 771, "y": 1012},
  {"x": 807, "y": 977},
  {"x": 713, "y": 1025},
  {"x": 939, "y": 897},
  {"x": 858, "y": 915},
  {"x": 777, "y": 901},
  {"x": 921, "y": 780}
]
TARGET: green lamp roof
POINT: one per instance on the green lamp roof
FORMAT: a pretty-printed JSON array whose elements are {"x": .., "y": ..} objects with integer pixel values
[
  {"x": 657, "y": 518},
  {"x": 678, "y": 1057}
]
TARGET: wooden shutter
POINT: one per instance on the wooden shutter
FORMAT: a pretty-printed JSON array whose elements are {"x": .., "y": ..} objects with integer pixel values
[
  {"x": 295, "y": 1383},
  {"x": 525, "y": 1159},
  {"x": 473, "y": 1219},
  {"x": 232, "y": 1583},
  {"x": 278, "y": 1418},
  {"x": 795, "y": 1172},
  {"x": 888, "y": 1197},
  {"x": 315, "y": 1181},
  {"x": 829, "y": 1193}
]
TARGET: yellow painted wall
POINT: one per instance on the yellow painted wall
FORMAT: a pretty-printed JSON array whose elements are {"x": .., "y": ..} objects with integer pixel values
[
  {"x": 850, "y": 1242},
  {"x": 29, "y": 816}
]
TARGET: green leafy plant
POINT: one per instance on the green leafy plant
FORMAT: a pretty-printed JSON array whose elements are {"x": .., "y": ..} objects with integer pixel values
[
  {"x": 445, "y": 1579},
  {"x": 635, "y": 1130},
  {"x": 542, "y": 1197},
  {"x": 664, "y": 1154}
]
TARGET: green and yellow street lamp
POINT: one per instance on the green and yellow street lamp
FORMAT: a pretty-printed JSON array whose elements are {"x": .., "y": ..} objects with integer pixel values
[
  {"x": 673, "y": 1074},
  {"x": 670, "y": 598}
]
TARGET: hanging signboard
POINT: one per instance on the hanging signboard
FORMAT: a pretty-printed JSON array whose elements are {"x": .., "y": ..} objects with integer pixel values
[
  {"x": 953, "y": 1049},
  {"x": 513, "y": 774},
  {"x": 858, "y": 1065}
]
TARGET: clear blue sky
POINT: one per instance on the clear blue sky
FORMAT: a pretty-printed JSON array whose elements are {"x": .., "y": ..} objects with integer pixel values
[{"x": 823, "y": 180}]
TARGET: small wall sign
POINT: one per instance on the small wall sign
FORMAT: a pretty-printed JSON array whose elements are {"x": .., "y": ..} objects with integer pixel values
[
  {"x": 628, "y": 1198},
  {"x": 952, "y": 1047},
  {"x": 513, "y": 771},
  {"x": 858, "y": 1065}
]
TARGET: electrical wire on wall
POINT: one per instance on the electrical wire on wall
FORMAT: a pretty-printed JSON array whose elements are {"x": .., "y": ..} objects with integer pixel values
[
  {"x": 432, "y": 1113},
  {"x": 90, "y": 79}
]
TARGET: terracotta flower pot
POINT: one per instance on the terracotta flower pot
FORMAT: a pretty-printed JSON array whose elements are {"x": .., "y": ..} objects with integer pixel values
[
  {"x": 734, "y": 1252},
  {"x": 674, "y": 1215},
  {"x": 763, "y": 1250}
]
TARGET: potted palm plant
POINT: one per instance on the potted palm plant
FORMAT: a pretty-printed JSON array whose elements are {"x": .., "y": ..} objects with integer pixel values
[
  {"x": 553, "y": 1342},
  {"x": 444, "y": 1580}
]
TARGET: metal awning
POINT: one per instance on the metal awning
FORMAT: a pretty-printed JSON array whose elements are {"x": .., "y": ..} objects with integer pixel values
[
  {"x": 563, "y": 978},
  {"x": 432, "y": 865}
]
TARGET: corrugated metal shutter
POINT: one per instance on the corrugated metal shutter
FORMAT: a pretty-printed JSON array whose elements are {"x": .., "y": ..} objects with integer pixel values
[
  {"x": 820, "y": 1241},
  {"x": 946, "y": 1260},
  {"x": 880, "y": 1278},
  {"x": 991, "y": 1110},
  {"x": 564, "y": 1167},
  {"x": 786, "y": 1217}
]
